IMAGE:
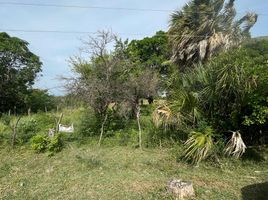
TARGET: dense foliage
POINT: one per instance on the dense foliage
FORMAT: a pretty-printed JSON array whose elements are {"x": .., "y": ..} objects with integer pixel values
[
  {"x": 214, "y": 75},
  {"x": 152, "y": 52},
  {"x": 112, "y": 80},
  {"x": 39, "y": 100},
  {"x": 228, "y": 93},
  {"x": 18, "y": 70},
  {"x": 41, "y": 143}
]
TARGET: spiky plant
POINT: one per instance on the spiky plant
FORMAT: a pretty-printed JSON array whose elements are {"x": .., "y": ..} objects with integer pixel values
[
  {"x": 236, "y": 146},
  {"x": 204, "y": 28},
  {"x": 162, "y": 116},
  {"x": 199, "y": 145},
  {"x": 182, "y": 111}
]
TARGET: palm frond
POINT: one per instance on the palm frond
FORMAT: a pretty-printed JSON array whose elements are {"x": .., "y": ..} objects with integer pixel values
[
  {"x": 198, "y": 146},
  {"x": 236, "y": 146},
  {"x": 203, "y": 29},
  {"x": 162, "y": 116},
  {"x": 248, "y": 21}
]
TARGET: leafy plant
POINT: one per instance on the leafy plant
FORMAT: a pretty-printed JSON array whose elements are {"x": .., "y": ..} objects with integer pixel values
[
  {"x": 39, "y": 143},
  {"x": 18, "y": 68},
  {"x": 6, "y": 119},
  {"x": 55, "y": 144},
  {"x": 89, "y": 124},
  {"x": 27, "y": 128},
  {"x": 199, "y": 145}
]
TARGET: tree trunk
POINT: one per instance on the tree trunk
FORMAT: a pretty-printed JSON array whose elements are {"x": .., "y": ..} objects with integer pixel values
[
  {"x": 14, "y": 132},
  {"x": 102, "y": 128},
  {"x": 138, "y": 122}
]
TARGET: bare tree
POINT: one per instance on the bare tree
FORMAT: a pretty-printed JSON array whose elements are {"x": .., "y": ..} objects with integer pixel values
[
  {"x": 98, "y": 79},
  {"x": 111, "y": 77}
]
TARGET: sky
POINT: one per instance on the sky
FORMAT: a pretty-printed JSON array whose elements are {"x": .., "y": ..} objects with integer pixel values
[{"x": 55, "y": 49}]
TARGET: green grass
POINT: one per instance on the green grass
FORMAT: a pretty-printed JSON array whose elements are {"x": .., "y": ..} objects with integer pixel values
[
  {"x": 89, "y": 172},
  {"x": 84, "y": 171}
]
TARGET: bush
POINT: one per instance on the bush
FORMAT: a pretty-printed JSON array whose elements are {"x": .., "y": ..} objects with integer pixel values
[
  {"x": 55, "y": 144},
  {"x": 27, "y": 129},
  {"x": 199, "y": 145},
  {"x": 6, "y": 119},
  {"x": 89, "y": 125},
  {"x": 125, "y": 136},
  {"x": 41, "y": 143},
  {"x": 45, "y": 121}
]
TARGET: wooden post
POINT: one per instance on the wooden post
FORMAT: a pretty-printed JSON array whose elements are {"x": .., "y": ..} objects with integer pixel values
[
  {"x": 14, "y": 132},
  {"x": 58, "y": 122},
  {"x": 102, "y": 128},
  {"x": 139, "y": 125},
  {"x": 29, "y": 112}
]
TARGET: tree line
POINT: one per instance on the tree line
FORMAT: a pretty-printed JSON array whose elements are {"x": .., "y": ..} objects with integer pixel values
[{"x": 213, "y": 74}]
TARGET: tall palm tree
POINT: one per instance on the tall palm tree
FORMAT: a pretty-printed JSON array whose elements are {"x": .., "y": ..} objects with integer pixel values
[{"x": 204, "y": 28}]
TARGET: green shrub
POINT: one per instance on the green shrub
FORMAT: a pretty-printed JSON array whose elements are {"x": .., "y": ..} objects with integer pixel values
[
  {"x": 39, "y": 142},
  {"x": 6, "y": 119},
  {"x": 55, "y": 144},
  {"x": 115, "y": 122},
  {"x": 3, "y": 127},
  {"x": 28, "y": 127},
  {"x": 123, "y": 137},
  {"x": 89, "y": 125},
  {"x": 45, "y": 120},
  {"x": 199, "y": 144}
]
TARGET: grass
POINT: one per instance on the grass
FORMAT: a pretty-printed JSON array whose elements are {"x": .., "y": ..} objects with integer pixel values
[
  {"x": 84, "y": 171},
  {"x": 89, "y": 172}
]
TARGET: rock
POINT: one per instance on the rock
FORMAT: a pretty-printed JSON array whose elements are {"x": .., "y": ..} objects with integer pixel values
[{"x": 181, "y": 189}]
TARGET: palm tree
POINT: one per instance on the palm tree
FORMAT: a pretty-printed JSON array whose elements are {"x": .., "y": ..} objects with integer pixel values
[{"x": 204, "y": 28}]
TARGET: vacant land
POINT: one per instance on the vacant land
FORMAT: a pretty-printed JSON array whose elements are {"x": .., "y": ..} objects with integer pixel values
[{"x": 88, "y": 172}]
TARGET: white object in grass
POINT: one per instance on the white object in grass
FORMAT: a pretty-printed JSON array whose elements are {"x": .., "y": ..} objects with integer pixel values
[{"x": 66, "y": 129}]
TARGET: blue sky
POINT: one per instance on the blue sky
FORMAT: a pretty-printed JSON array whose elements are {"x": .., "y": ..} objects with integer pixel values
[{"x": 54, "y": 49}]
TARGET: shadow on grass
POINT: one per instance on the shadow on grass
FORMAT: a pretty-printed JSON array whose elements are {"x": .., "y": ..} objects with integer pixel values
[
  {"x": 255, "y": 192},
  {"x": 254, "y": 154}
]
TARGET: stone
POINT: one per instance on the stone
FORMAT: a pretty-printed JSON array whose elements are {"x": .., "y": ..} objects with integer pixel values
[{"x": 181, "y": 189}]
